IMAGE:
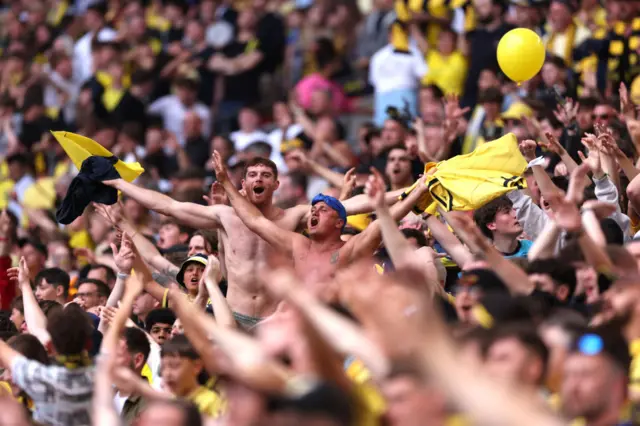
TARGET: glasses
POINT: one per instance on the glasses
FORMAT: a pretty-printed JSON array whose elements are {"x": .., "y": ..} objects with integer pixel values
[
  {"x": 89, "y": 294},
  {"x": 161, "y": 330},
  {"x": 461, "y": 288}
]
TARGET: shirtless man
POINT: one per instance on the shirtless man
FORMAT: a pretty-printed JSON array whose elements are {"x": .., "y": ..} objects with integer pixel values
[
  {"x": 316, "y": 258},
  {"x": 245, "y": 252}
]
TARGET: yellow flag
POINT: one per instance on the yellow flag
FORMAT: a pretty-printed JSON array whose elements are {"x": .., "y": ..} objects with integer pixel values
[
  {"x": 79, "y": 148},
  {"x": 467, "y": 182}
]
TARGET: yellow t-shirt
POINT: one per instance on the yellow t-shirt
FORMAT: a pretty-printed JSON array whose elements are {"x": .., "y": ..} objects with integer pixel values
[
  {"x": 209, "y": 403},
  {"x": 446, "y": 72},
  {"x": 371, "y": 404}
]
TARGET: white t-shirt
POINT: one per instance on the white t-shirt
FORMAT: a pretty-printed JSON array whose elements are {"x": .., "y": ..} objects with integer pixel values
[
  {"x": 390, "y": 70},
  {"x": 242, "y": 140},
  {"x": 275, "y": 139},
  {"x": 173, "y": 112},
  {"x": 82, "y": 59}
]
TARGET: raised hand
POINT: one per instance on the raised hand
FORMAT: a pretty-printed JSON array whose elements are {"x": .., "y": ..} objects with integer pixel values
[
  {"x": 113, "y": 214},
  {"x": 469, "y": 231},
  {"x": 20, "y": 273},
  {"x": 528, "y": 149},
  {"x": 593, "y": 159},
  {"x": 217, "y": 195},
  {"x": 125, "y": 256},
  {"x": 220, "y": 168},
  {"x": 565, "y": 212},
  {"x": 348, "y": 183},
  {"x": 375, "y": 188},
  {"x": 551, "y": 144},
  {"x": 577, "y": 184},
  {"x": 300, "y": 157},
  {"x": 567, "y": 114},
  {"x": 213, "y": 271}
]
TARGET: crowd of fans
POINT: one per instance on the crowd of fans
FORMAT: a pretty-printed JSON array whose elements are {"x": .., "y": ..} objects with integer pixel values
[{"x": 293, "y": 253}]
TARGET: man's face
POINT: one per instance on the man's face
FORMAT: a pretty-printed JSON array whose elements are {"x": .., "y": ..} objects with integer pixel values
[
  {"x": 508, "y": 360},
  {"x": 559, "y": 16},
  {"x": 160, "y": 414},
  {"x": 492, "y": 109},
  {"x": 177, "y": 328},
  {"x": 197, "y": 244},
  {"x": 603, "y": 114},
  {"x": 192, "y": 274},
  {"x": 260, "y": 183},
  {"x": 17, "y": 318},
  {"x": 467, "y": 296},
  {"x": 46, "y": 291},
  {"x": 587, "y": 385},
  {"x": 398, "y": 168},
  {"x": 143, "y": 304},
  {"x": 323, "y": 220},
  {"x": 585, "y": 117},
  {"x": 123, "y": 356},
  {"x": 506, "y": 223},
  {"x": 392, "y": 133},
  {"x": 169, "y": 236},
  {"x": 179, "y": 373},
  {"x": 88, "y": 293},
  {"x": 160, "y": 332},
  {"x": 409, "y": 402},
  {"x": 484, "y": 8},
  {"x": 35, "y": 259}
]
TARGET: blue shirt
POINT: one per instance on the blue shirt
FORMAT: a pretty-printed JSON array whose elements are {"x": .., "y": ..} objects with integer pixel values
[{"x": 521, "y": 251}]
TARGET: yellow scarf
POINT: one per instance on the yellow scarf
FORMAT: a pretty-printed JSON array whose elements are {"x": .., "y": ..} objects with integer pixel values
[
  {"x": 568, "y": 48},
  {"x": 73, "y": 362}
]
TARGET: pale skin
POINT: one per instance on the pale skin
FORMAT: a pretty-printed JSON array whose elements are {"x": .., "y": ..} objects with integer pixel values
[
  {"x": 245, "y": 252},
  {"x": 317, "y": 258}
]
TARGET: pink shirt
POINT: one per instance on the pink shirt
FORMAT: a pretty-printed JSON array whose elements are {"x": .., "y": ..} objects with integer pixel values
[{"x": 315, "y": 81}]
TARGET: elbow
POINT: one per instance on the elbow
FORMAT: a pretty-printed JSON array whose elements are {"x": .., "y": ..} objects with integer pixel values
[{"x": 633, "y": 192}]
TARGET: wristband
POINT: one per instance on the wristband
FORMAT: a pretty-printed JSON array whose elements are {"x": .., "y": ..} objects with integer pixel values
[
  {"x": 122, "y": 275},
  {"x": 536, "y": 162}
]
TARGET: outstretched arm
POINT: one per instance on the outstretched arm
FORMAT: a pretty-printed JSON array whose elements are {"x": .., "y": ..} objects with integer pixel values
[
  {"x": 253, "y": 218},
  {"x": 361, "y": 203},
  {"x": 191, "y": 214},
  {"x": 148, "y": 250}
]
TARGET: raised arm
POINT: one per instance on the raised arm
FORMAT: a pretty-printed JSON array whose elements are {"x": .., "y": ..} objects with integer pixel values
[
  {"x": 362, "y": 204},
  {"x": 191, "y": 214},
  {"x": 148, "y": 250},
  {"x": 221, "y": 310},
  {"x": 451, "y": 244},
  {"x": 33, "y": 315},
  {"x": 365, "y": 243},
  {"x": 253, "y": 218},
  {"x": 334, "y": 178}
]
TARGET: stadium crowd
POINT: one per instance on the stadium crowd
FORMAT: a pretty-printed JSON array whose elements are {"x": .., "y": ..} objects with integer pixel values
[{"x": 347, "y": 215}]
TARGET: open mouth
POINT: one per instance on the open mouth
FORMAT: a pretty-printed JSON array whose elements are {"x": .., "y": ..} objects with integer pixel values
[
  {"x": 314, "y": 221},
  {"x": 194, "y": 281},
  {"x": 258, "y": 190}
]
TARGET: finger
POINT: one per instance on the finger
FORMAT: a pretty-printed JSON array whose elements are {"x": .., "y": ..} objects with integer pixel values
[{"x": 114, "y": 249}]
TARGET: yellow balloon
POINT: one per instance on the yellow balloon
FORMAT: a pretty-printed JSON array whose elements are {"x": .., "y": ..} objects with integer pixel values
[{"x": 520, "y": 54}]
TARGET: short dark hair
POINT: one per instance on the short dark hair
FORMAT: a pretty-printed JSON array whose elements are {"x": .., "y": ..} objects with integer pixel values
[
  {"x": 210, "y": 237},
  {"x": 490, "y": 95},
  {"x": 103, "y": 288},
  {"x": 137, "y": 341},
  {"x": 56, "y": 277},
  {"x": 526, "y": 335},
  {"x": 487, "y": 213},
  {"x": 180, "y": 346},
  {"x": 29, "y": 346},
  {"x": 561, "y": 272},
  {"x": 414, "y": 233},
  {"x": 111, "y": 276},
  {"x": 159, "y": 316},
  {"x": 18, "y": 304},
  {"x": 260, "y": 161},
  {"x": 35, "y": 244},
  {"x": 437, "y": 92},
  {"x": 48, "y": 307},
  {"x": 70, "y": 329}
]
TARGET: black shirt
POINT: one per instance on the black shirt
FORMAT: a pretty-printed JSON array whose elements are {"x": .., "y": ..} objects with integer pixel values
[
  {"x": 483, "y": 45},
  {"x": 243, "y": 87},
  {"x": 197, "y": 149}
]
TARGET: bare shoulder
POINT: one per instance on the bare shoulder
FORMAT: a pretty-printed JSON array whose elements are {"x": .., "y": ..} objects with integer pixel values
[{"x": 293, "y": 216}]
